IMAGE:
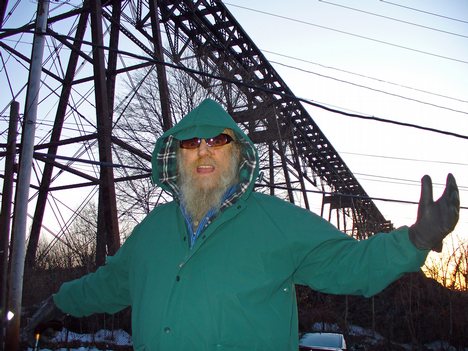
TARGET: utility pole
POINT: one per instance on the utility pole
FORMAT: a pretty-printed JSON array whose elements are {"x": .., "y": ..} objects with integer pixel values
[
  {"x": 24, "y": 177},
  {"x": 5, "y": 215}
]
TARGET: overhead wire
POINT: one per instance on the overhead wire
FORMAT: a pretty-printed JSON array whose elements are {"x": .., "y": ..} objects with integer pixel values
[
  {"x": 221, "y": 78},
  {"x": 349, "y": 33},
  {"x": 364, "y": 76},
  {"x": 369, "y": 88},
  {"x": 7, "y": 76},
  {"x": 404, "y": 158},
  {"x": 393, "y": 19},
  {"x": 8, "y": 15},
  {"x": 401, "y": 181},
  {"x": 271, "y": 91},
  {"x": 426, "y": 12}
]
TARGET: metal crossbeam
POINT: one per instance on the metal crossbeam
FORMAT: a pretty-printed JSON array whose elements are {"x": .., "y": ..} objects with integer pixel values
[{"x": 198, "y": 42}]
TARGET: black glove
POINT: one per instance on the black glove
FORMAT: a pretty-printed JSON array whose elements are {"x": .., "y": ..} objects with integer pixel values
[
  {"x": 44, "y": 324},
  {"x": 435, "y": 219}
]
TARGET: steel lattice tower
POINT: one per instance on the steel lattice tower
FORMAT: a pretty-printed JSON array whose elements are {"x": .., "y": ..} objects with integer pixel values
[{"x": 117, "y": 74}]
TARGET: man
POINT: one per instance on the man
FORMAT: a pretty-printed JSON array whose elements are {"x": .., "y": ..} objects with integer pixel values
[{"x": 215, "y": 269}]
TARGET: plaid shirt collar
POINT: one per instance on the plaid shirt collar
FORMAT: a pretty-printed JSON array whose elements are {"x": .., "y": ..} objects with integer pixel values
[{"x": 167, "y": 162}]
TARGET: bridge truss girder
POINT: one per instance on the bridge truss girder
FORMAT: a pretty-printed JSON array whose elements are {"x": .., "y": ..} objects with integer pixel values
[{"x": 92, "y": 142}]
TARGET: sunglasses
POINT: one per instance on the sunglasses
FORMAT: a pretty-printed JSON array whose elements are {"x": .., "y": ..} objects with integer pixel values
[{"x": 194, "y": 143}]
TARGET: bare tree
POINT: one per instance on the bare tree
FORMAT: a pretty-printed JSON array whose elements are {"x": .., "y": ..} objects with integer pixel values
[
  {"x": 451, "y": 268},
  {"x": 77, "y": 248}
]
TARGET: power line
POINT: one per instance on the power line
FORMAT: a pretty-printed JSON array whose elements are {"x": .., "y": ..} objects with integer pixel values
[
  {"x": 369, "y": 88},
  {"x": 385, "y": 179},
  {"x": 290, "y": 96},
  {"x": 422, "y": 11},
  {"x": 268, "y": 90},
  {"x": 7, "y": 76},
  {"x": 394, "y": 19},
  {"x": 349, "y": 33},
  {"x": 404, "y": 159},
  {"x": 365, "y": 76},
  {"x": 361, "y": 197},
  {"x": 90, "y": 162},
  {"x": 114, "y": 165}
]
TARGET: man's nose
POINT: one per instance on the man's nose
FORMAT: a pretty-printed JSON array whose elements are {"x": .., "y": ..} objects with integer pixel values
[{"x": 203, "y": 149}]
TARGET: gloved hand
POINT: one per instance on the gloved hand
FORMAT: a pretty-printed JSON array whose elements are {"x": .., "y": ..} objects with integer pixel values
[
  {"x": 435, "y": 219},
  {"x": 44, "y": 324}
]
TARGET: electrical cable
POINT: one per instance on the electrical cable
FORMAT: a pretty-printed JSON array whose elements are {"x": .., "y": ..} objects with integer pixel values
[
  {"x": 369, "y": 88},
  {"x": 422, "y": 11},
  {"x": 268, "y": 90},
  {"x": 91, "y": 162},
  {"x": 404, "y": 159},
  {"x": 7, "y": 76},
  {"x": 406, "y": 181},
  {"x": 8, "y": 15},
  {"x": 393, "y": 19},
  {"x": 349, "y": 33},
  {"x": 360, "y": 197},
  {"x": 364, "y": 76}
]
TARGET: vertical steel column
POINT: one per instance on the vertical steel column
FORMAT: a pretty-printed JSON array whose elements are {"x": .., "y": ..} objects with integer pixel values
[
  {"x": 7, "y": 197},
  {"x": 54, "y": 139},
  {"x": 271, "y": 166},
  {"x": 297, "y": 163},
  {"x": 113, "y": 45},
  {"x": 282, "y": 150},
  {"x": 108, "y": 230},
  {"x": 3, "y": 6},
  {"x": 24, "y": 177},
  {"x": 160, "y": 68}
]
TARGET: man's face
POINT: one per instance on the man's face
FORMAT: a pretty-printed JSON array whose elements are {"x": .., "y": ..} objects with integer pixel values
[{"x": 207, "y": 166}]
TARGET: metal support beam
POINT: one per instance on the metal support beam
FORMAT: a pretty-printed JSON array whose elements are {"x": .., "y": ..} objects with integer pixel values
[
  {"x": 108, "y": 238},
  {"x": 160, "y": 68},
  {"x": 54, "y": 142},
  {"x": 3, "y": 7},
  {"x": 5, "y": 215}
]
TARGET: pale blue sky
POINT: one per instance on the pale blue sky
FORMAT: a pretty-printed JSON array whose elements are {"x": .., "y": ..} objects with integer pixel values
[
  {"x": 325, "y": 39},
  {"x": 353, "y": 41}
]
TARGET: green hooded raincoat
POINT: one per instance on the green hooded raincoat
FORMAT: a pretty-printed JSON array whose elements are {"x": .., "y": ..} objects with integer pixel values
[{"x": 234, "y": 289}]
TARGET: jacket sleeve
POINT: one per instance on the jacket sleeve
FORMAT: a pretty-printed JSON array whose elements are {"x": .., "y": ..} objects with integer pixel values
[
  {"x": 105, "y": 290},
  {"x": 339, "y": 264}
]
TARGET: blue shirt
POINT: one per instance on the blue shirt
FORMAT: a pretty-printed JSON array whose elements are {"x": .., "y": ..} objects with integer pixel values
[{"x": 206, "y": 219}]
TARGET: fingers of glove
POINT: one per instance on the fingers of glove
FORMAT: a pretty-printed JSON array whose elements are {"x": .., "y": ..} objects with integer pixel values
[
  {"x": 426, "y": 199},
  {"x": 449, "y": 204},
  {"x": 451, "y": 195}
]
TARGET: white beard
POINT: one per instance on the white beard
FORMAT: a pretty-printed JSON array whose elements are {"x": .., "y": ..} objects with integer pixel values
[{"x": 198, "y": 200}]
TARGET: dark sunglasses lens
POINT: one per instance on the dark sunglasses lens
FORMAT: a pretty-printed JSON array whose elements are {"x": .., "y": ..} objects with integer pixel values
[
  {"x": 190, "y": 143},
  {"x": 219, "y": 140}
]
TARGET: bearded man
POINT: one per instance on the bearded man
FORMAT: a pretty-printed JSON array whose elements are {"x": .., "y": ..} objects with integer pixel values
[{"x": 216, "y": 268}]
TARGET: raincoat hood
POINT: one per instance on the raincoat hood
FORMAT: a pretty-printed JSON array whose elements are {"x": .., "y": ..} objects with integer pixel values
[{"x": 207, "y": 120}]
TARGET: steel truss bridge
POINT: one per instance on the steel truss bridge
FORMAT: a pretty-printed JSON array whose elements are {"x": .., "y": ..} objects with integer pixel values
[{"x": 115, "y": 75}]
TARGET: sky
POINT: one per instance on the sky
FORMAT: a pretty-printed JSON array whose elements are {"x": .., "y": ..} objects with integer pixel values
[{"x": 404, "y": 61}]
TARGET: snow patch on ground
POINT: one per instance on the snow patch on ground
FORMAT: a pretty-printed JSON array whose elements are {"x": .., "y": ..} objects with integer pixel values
[{"x": 122, "y": 338}]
